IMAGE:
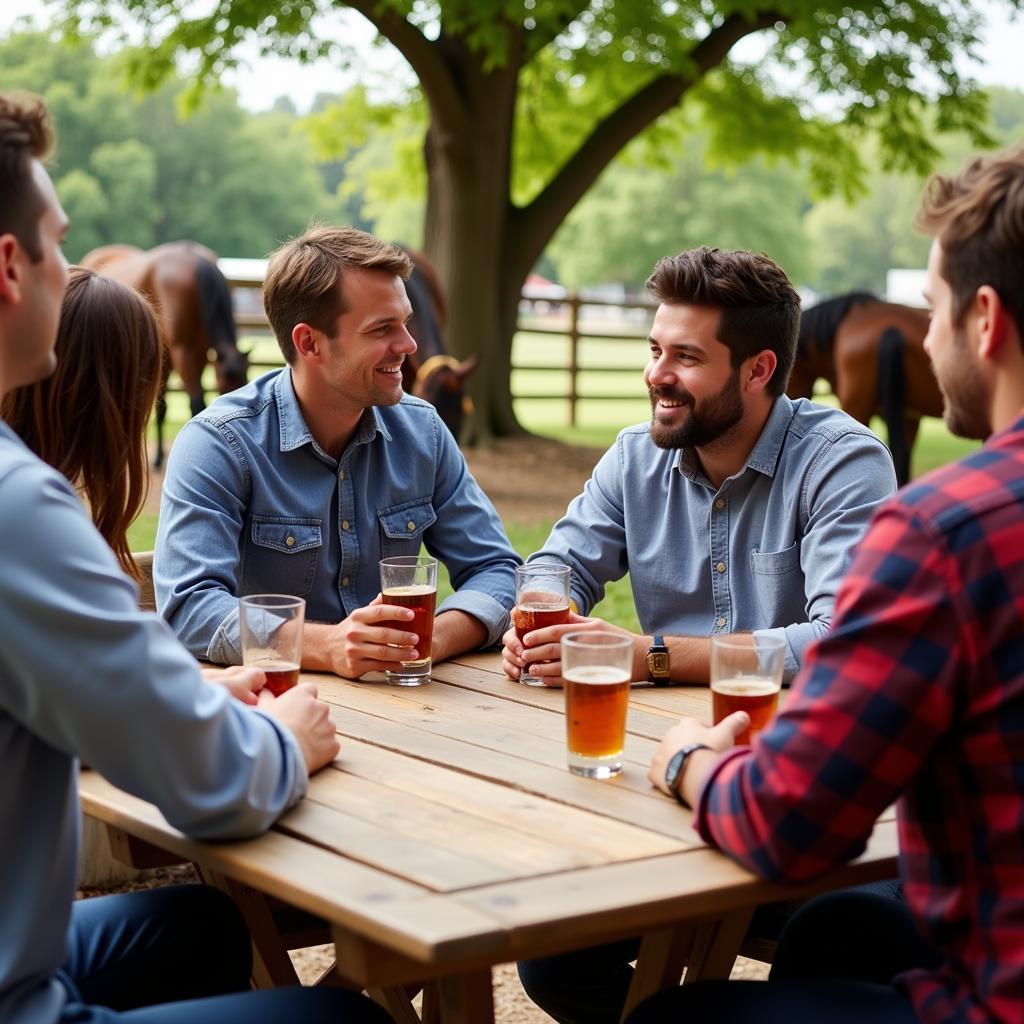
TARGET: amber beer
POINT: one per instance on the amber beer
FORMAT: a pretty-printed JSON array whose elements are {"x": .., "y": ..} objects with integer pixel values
[
  {"x": 421, "y": 600},
  {"x": 538, "y": 614},
  {"x": 595, "y": 711},
  {"x": 758, "y": 697},
  {"x": 281, "y": 675}
]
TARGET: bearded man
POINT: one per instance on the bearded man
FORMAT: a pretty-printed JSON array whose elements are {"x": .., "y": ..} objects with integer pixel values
[{"x": 735, "y": 509}]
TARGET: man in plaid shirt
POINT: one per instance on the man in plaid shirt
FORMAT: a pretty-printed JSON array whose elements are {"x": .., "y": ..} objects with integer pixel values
[{"x": 915, "y": 696}]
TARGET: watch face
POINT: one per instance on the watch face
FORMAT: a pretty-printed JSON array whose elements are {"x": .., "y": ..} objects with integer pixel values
[
  {"x": 674, "y": 767},
  {"x": 657, "y": 662}
]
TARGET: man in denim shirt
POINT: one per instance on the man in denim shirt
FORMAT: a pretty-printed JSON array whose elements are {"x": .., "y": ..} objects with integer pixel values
[
  {"x": 735, "y": 509},
  {"x": 303, "y": 480}
]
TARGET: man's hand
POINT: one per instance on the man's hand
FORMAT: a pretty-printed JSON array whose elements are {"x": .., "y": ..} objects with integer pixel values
[
  {"x": 719, "y": 738},
  {"x": 309, "y": 721},
  {"x": 541, "y": 649},
  {"x": 242, "y": 682},
  {"x": 368, "y": 642}
]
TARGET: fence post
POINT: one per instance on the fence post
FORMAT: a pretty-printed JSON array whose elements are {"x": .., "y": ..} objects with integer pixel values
[{"x": 574, "y": 342}]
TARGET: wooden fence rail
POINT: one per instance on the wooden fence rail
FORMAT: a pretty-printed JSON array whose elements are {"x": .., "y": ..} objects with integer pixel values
[{"x": 568, "y": 316}]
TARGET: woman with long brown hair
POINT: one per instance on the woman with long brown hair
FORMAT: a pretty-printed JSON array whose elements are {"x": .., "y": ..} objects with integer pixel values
[{"x": 88, "y": 420}]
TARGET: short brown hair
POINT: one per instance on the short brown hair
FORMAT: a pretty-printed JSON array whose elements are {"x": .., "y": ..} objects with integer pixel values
[
  {"x": 978, "y": 218},
  {"x": 760, "y": 307},
  {"x": 301, "y": 286},
  {"x": 88, "y": 420},
  {"x": 25, "y": 134}
]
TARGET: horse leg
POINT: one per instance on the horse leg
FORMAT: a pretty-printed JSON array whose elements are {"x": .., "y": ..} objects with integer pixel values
[
  {"x": 197, "y": 403},
  {"x": 161, "y": 415}
]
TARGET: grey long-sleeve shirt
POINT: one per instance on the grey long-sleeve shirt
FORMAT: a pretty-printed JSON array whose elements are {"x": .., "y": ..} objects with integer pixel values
[{"x": 84, "y": 674}]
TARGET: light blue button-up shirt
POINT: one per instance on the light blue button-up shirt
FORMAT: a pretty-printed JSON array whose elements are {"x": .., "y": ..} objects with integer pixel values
[
  {"x": 252, "y": 504},
  {"x": 764, "y": 552},
  {"x": 84, "y": 673}
]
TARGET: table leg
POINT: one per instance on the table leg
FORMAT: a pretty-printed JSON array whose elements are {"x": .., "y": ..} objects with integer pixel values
[
  {"x": 659, "y": 965},
  {"x": 396, "y": 1001},
  {"x": 271, "y": 965},
  {"x": 466, "y": 998},
  {"x": 716, "y": 946}
]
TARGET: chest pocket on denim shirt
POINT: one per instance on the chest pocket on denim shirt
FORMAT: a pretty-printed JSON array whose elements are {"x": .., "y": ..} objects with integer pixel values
[
  {"x": 402, "y": 526},
  {"x": 779, "y": 585},
  {"x": 285, "y": 554}
]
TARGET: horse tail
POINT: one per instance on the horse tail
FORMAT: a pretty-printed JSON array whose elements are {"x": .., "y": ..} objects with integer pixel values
[
  {"x": 214, "y": 294},
  {"x": 892, "y": 388},
  {"x": 819, "y": 323}
]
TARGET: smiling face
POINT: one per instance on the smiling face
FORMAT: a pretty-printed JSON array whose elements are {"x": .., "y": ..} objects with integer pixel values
[
  {"x": 695, "y": 391},
  {"x": 955, "y": 360},
  {"x": 369, "y": 343}
]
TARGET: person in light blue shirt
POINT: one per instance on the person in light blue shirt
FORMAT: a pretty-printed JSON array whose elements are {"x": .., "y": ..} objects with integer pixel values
[
  {"x": 85, "y": 674},
  {"x": 735, "y": 509},
  {"x": 302, "y": 481}
]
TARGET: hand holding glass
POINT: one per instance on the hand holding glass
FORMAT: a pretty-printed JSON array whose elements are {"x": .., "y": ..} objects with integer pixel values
[
  {"x": 746, "y": 675},
  {"x": 272, "y": 637},
  {"x": 542, "y": 599},
  {"x": 410, "y": 581},
  {"x": 597, "y": 668}
]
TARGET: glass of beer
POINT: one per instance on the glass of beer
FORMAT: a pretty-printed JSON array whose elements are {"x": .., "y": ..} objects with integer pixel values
[
  {"x": 542, "y": 599},
  {"x": 597, "y": 668},
  {"x": 272, "y": 637},
  {"x": 410, "y": 581},
  {"x": 746, "y": 675}
]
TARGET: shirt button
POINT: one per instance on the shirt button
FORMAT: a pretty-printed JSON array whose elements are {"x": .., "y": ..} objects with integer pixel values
[
  {"x": 344, "y": 524},
  {"x": 720, "y": 567},
  {"x": 344, "y": 581},
  {"x": 721, "y": 622},
  {"x": 720, "y": 504},
  {"x": 341, "y": 474},
  {"x": 290, "y": 541},
  {"x": 410, "y": 526}
]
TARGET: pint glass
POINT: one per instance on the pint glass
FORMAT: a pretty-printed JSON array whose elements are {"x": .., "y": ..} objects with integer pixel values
[
  {"x": 410, "y": 581},
  {"x": 746, "y": 675},
  {"x": 272, "y": 637},
  {"x": 542, "y": 599},
  {"x": 597, "y": 668}
]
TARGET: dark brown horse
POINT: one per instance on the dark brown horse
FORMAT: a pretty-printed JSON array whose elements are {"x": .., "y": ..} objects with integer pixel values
[
  {"x": 872, "y": 355},
  {"x": 192, "y": 301},
  {"x": 430, "y": 373}
]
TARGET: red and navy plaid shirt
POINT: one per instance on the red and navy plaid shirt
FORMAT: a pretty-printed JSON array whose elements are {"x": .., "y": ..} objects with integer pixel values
[{"x": 916, "y": 695}]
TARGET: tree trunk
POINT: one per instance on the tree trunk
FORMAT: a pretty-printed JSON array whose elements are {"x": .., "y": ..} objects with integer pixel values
[{"x": 467, "y": 223}]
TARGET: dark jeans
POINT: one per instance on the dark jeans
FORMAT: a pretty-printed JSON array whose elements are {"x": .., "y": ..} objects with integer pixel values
[
  {"x": 589, "y": 986},
  {"x": 185, "y": 947},
  {"x": 835, "y": 962}
]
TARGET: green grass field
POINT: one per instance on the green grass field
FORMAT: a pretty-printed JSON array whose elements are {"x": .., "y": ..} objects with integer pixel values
[{"x": 597, "y": 423}]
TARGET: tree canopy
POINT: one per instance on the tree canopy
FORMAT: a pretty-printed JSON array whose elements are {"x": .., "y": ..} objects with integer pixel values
[{"x": 527, "y": 102}]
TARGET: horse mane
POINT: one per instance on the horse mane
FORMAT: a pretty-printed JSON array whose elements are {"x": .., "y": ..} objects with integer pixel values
[
  {"x": 820, "y": 323},
  {"x": 427, "y": 327},
  {"x": 215, "y": 307}
]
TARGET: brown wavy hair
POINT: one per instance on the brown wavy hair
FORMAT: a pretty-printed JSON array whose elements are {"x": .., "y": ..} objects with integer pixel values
[
  {"x": 978, "y": 218},
  {"x": 760, "y": 307},
  {"x": 89, "y": 419}
]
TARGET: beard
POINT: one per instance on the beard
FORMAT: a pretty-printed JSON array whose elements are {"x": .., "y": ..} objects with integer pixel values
[
  {"x": 709, "y": 420},
  {"x": 964, "y": 391}
]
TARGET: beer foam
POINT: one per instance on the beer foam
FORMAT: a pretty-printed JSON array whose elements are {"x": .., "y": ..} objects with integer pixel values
[
  {"x": 414, "y": 590},
  {"x": 596, "y": 675},
  {"x": 744, "y": 686}
]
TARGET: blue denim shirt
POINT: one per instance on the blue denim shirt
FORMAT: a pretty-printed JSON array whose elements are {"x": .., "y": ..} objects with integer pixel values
[
  {"x": 764, "y": 552},
  {"x": 84, "y": 673},
  {"x": 252, "y": 504}
]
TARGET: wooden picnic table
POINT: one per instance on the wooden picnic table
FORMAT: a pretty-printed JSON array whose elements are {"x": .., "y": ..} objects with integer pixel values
[{"x": 449, "y": 837}]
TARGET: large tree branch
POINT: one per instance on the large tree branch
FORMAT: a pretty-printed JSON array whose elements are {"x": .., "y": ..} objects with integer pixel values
[
  {"x": 533, "y": 225},
  {"x": 424, "y": 57}
]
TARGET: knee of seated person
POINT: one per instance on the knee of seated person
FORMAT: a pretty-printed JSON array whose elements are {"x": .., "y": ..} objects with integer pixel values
[{"x": 214, "y": 926}]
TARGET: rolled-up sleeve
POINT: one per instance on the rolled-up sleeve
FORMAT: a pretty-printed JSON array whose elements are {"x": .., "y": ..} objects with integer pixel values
[{"x": 197, "y": 557}]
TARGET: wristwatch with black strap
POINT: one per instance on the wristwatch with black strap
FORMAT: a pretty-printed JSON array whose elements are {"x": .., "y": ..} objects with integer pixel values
[
  {"x": 657, "y": 661},
  {"x": 676, "y": 766}
]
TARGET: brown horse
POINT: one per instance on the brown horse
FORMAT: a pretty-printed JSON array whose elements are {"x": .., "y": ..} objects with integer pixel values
[
  {"x": 192, "y": 301},
  {"x": 872, "y": 355},
  {"x": 430, "y": 373}
]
